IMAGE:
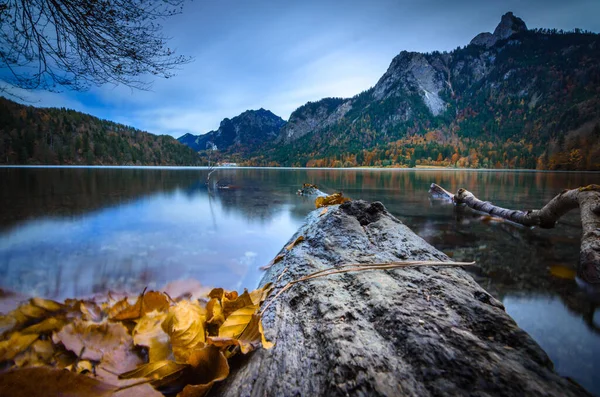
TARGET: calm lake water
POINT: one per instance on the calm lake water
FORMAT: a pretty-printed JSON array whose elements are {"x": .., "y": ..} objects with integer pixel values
[{"x": 74, "y": 232}]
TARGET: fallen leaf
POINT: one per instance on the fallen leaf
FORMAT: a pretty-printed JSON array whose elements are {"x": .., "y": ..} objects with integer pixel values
[
  {"x": 265, "y": 343},
  {"x": 251, "y": 337},
  {"x": 31, "y": 311},
  {"x": 91, "y": 311},
  {"x": 83, "y": 366},
  {"x": 294, "y": 243},
  {"x": 107, "y": 342},
  {"x": 185, "y": 326},
  {"x": 214, "y": 312},
  {"x": 48, "y": 325},
  {"x": 335, "y": 198},
  {"x": 7, "y": 322},
  {"x": 216, "y": 293},
  {"x": 145, "y": 303},
  {"x": 162, "y": 373},
  {"x": 47, "y": 304},
  {"x": 53, "y": 382},
  {"x": 208, "y": 366},
  {"x": 323, "y": 212},
  {"x": 258, "y": 296},
  {"x": 40, "y": 353},
  {"x": 195, "y": 390},
  {"x": 237, "y": 321},
  {"x": 563, "y": 272},
  {"x": 118, "y": 307},
  {"x": 230, "y": 306},
  {"x": 148, "y": 332},
  {"x": 16, "y": 344}
]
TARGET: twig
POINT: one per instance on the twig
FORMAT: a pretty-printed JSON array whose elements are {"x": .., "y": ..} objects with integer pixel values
[{"x": 361, "y": 267}]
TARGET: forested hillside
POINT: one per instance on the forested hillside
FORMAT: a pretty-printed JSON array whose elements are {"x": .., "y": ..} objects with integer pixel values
[
  {"x": 30, "y": 135},
  {"x": 516, "y": 98}
]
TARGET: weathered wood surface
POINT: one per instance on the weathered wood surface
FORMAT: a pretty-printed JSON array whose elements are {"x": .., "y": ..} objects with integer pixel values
[
  {"x": 586, "y": 198},
  {"x": 409, "y": 332}
]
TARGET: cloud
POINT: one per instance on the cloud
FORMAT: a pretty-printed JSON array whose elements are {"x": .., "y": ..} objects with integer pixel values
[{"x": 279, "y": 55}]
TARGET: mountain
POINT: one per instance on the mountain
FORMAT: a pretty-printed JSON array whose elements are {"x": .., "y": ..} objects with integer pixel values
[
  {"x": 30, "y": 135},
  {"x": 514, "y": 98},
  {"x": 244, "y": 133}
]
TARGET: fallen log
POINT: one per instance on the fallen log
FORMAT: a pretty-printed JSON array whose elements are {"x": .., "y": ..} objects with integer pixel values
[
  {"x": 407, "y": 332},
  {"x": 586, "y": 198}
]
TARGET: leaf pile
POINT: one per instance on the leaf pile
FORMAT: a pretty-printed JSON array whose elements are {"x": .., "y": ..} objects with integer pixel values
[
  {"x": 177, "y": 346},
  {"x": 332, "y": 199}
]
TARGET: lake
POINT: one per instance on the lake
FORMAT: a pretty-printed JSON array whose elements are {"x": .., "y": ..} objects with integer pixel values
[{"x": 75, "y": 232}]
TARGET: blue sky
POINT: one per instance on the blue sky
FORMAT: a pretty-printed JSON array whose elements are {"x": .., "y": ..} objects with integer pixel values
[{"x": 280, "y": 54}]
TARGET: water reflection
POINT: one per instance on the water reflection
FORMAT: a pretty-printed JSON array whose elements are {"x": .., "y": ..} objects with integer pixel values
[{"x": 75, "y": 232}]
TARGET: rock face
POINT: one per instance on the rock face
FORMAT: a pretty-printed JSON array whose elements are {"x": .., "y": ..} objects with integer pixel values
[
  {"x": 425, "y": 331},
  {"x": 410, "y": 73},
  {"x": 247, "y": 131},
  {"x": 509, "y": 25},
  {"x": 314, "y": 116}
]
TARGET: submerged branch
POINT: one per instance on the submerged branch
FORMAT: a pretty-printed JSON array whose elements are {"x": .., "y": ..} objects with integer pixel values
[{"x": 587, "y": 198}]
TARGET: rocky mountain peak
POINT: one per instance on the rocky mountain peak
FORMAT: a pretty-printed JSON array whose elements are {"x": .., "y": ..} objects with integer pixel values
[
  {"x": 509, "y": 25},
  {"x": 412, "y": 73}
]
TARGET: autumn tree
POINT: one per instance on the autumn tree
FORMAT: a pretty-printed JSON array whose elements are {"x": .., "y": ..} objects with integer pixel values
[{"x": 48, "y": 44}]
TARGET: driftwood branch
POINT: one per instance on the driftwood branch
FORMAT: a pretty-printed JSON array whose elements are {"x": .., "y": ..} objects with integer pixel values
[{"x": 587, "y": 198}]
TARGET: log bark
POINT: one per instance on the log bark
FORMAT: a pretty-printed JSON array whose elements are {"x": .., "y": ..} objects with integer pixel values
[
  {"x": 426, "y": 331},
  {"x": 586, "y": 198}
]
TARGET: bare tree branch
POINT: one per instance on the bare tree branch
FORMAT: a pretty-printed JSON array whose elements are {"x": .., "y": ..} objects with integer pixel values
[
  {"x": 587, "y": 198},
  {"x": 48, "y": 44}
]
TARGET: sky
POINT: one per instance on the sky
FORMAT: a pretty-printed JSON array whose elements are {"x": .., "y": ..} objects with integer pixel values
[{"x": 280, "y": 54}]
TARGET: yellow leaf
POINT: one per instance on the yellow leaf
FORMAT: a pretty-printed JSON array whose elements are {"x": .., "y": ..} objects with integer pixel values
[
  {"x": 230, "y": 306},
  {"x": 250, "y": 338},
  {"x": 216, "y": 293},
  {"x": 118, "y": 307},
  {"x": 40, "y": 353},
  {"x": 162, "y": 373},
  {"x": 336, "y": 198},
  {"x": 31, "y": 311},
  {"x": 237, "y": 321},
  {"x": 50, "y": 324},
  {"x": 208, "y": 365},
  {"x": 563, "y": 272},
  {"x": 185, "y": 326},
  {"x": 265, "y": 343},
  {"x": 259, "y": 295},
  {"x": 51, "y": 382},
  {"x": 146, "y": 303},
  {"x": 195, "y": 390},
  {"x": 148, "y": 332},
  {"x": 294, "y": 243},
  {"x": 46, "y": 304},
  {"x": 15, "y": 345},
  {"x": 323, "y": 212},
  {"x": 214, "y": 312}
]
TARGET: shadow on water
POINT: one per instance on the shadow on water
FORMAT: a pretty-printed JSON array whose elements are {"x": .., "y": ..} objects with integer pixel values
[{"x": 75, "y": 232}]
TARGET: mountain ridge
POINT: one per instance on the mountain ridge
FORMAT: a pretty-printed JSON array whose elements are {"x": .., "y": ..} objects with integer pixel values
[
  {"x": 30, "y": 135},
  {"x": 244, "y": 132},
  {"x": 524, "y": 99}
]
